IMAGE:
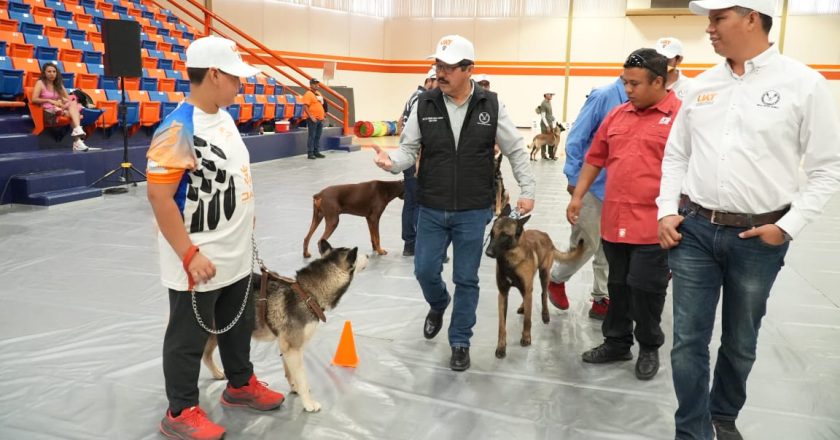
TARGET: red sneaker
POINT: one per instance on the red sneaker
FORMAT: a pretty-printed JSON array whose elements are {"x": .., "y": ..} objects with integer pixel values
[
  {"x": 599, "y": 309},
  {"x": 557, "y": 295},
  {"x": 191, "y": 424},
  {"x": 255, "y": 395}
]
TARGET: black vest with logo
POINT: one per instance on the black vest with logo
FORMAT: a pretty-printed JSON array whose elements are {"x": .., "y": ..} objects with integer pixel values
[{"x": 457, "y": 179}]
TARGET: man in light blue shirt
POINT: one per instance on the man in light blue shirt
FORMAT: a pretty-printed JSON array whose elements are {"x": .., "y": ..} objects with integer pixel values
[{"x": 588, "y": 228}]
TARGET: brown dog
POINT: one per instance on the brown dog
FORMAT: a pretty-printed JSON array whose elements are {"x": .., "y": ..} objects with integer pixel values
[
  {"x": 502, "y": 196},
  {"x": 519, "y": 256},
  {"x": 552, "y": 140},
  {"x": 366, "y": 199}
]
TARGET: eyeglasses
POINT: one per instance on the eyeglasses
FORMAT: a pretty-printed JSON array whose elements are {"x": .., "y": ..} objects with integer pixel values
[
  {"x": 449, "y": 68},
  {"x": 636, "y": 60}
]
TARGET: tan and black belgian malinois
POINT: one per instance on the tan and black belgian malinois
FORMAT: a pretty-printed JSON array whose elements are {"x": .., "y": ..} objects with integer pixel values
[
  {"x": 519, "y": 256},
  {"x": 284, "y": 317},
  {"x": 552, "y": 140}
]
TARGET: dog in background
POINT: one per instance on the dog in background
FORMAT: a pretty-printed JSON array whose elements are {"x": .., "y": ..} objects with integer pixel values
[
  {"x": 366, "y": 199},
  {"x": 283, "y": 316},
  {"x": 502, "y": 196},
  {"x": 519, "y": 256},
  {"x": 552, "y": 140}
]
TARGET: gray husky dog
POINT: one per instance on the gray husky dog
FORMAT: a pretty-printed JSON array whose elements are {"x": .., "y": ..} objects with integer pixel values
[{"x": 285, "y": 315}]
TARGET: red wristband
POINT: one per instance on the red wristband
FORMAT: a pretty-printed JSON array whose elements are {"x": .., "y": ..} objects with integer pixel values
[{"x": 187, "y": 260}]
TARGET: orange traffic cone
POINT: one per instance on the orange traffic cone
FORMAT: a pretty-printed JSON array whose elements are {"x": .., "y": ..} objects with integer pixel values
[{"x": 345, "y": 355}]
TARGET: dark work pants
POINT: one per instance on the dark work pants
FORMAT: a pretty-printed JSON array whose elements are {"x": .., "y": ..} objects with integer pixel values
[
  {"x": 637, "y": 283},
  {"x": 183, "y": 344}
]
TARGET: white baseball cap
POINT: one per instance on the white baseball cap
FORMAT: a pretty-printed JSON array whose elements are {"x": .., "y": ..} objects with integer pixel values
[
  {"x": 702, "y": 7},
  {"x": 481, "y": 77},
  {"x": 452, "y": 49},
  {"x": 219, "y": 53},
  {"x": 432, "y": 73},
  {"x": 670, "y": 47}
]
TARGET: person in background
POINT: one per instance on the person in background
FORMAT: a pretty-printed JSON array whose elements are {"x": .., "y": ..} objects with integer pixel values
[
  {"x": 410, "y": 211},
  {"x": 313, "y": 101},
  {"x": 733, "y": 197},
  {"x": 483, "y": 81},
  {"x": 672, "y": 49},
  {"x": 547, "y": 125},
  {"x": 50, "y": 93}
]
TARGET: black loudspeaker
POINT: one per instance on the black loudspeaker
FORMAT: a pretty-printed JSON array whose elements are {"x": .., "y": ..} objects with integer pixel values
[{"x": 122, "y": 48}]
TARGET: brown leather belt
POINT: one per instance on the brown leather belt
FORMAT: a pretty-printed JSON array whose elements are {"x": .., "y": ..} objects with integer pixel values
[{"x": 731, "y": 218}]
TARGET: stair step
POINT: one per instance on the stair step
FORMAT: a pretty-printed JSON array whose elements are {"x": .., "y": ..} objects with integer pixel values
[
  {"x": 341, "y": 143},
  {"x": 66, "y": 195},
  {"x": 18, "y": 143},
  {"x": 44, "y": 181}
]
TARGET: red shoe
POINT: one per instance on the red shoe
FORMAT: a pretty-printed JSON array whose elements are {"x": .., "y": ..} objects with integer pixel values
[
  {"x": 557, "y": 295},
  {"x": 254, "y": 395},
  {"x": 599, "y": 309},
  {"x": 191, "y": 424}
]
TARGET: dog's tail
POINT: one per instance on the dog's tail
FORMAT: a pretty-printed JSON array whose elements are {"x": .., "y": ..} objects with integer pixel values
[{"x": 571, "y": 254}]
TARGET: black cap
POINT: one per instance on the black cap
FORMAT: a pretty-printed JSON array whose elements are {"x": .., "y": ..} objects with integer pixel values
[{"x": 313, "y": 80}]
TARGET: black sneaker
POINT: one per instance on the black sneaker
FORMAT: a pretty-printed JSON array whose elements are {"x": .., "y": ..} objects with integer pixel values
[
  {"x": 319, "y": 155},
  {"x": 606, "y": 353},
  {"x": 726, "y": 430},
  {"x": 408, "y": 250},
  {"x": 310, "y": 156},
  {"x": 460, "y": 360},
  {"x": 432, "y": 324},
  {"x": 647, "y": 365}
]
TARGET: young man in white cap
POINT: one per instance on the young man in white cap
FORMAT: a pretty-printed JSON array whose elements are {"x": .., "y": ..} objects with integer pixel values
[
  {"x": 410, "y": 211},
  {"x": 200, "y": 189},
  {"x": 731, "y": 201},
  {"x": 547, "y": 125},
  {"x": 457, "y": 124},
  {"x": 483, "y": 81},
  {"x": 673, "y": 50}
]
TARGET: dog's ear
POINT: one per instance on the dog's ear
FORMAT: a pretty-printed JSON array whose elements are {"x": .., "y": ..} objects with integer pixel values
[
  {"x": 520, "y": 225},
  {"x": 324, "y": 247},
  {"x": 352, "y": 255},
  {"x": 505, "y": 211}
]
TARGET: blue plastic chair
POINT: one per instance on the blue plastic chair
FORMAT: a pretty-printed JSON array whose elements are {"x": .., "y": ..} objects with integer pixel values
[
  {"x": 92, "y": 57},
  {"x": 11, "y": 79}
]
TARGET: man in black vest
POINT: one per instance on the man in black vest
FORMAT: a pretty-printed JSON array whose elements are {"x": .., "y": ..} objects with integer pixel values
[{"x": 457, "y": 126}]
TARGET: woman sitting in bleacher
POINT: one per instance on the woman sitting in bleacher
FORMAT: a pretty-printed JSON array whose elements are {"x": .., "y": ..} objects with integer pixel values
[{"x": 50, "y": 93}]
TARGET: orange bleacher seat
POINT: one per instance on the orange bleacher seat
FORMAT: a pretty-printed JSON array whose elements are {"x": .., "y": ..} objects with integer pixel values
[
  {"x": 95, "y": 37},
  {"x": 76, "y": 9},
  {"x": 132, "y": 83},
  {"x": 136, "y": 13},
  {"x": 87, "y": 27},
  {"x": 268, "y": 113},
  {"x": 175, "y": 96},
  {"x": 104, "y": 6},
  {"x": 20, "y": 50},
  {"x": 41, "y": 11},
  {"x": 289, "y": 110},
  {"x": 111, "y": 15},
  {"x": 83, "y": 79},
  {"x": 44, "y": 20},
  {"x": 12, "y": 37},
  {"x": 7, "y": 25},
  {"x": 70, "y": 55},
  {"x": 166, "y": 84},
  {"x": 150, "y": 30},
  {"x": 164, "y": 46},
  {"x": 33, "y": 2},
  {"x": 55, "y": 31},
  {"x": 156, "y": 73},
  {"x": 171, "y": 56},
  {"x": 183, "y": 42},
  {"x": 247, "y": 88},
  {"x": 83, "y": 19},
  {"x": 109, "y": 108},
  {"x": 61, "y": 43},
  {"x": 144, "y": 21},
  {"x": 149, "y": 62},
  {"x": 176, "y": 33},
  {"x": 149, "y": 110},
  {"x": 31, "y": 70},
  {"x": 4, "y": 13},
  {"x": 70, "y": 2},
  {"x": 179, "y": 65},
  {"x": 246, "y": 110},
  {"x": 156, "y": 38}
]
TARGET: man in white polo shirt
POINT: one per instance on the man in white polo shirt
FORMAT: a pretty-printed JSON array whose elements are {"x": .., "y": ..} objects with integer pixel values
[
  {"x": 730, "y": 201},
  {"x": 672, "y": 48}
]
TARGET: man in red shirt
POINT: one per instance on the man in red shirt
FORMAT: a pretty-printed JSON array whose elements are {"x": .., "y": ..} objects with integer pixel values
[{"x": 630, "y": 143}]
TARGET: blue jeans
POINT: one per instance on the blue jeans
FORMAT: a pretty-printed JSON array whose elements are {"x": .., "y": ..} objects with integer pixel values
[
  {"x": 710, "y": 257},
  {"x": 410, "y": 209},
  {"x": 436, "y": 229},
  {"x": 314, "y": 130}
]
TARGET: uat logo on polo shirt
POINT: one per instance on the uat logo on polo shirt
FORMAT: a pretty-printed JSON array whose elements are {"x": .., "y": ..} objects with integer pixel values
[{"x": 706, "y": 98}]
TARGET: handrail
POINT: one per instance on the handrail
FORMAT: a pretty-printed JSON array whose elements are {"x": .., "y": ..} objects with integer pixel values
[{"x": 210, "y": 17}]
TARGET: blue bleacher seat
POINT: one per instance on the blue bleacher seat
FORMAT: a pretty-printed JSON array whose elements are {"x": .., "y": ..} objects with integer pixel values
[
  {"x": 21, "y": 17},
  {"x": 148, "y": 44},
  {"x": 85, "y": 46},
  {"x": 164, "y": 32},
  {"x": 67, "y": 24},
  {"x": 36, "y": 40},
  {"x": 75, "y": 34},
  {"x": 62, "y": 15},
  {"x": 163, "y": 63},
  {"x": 92, "y": 57},
  {"x": 171, "y": 40},
  {"x": 132, "y": 113},
  {"x": 166, "y": 106},
  {"x": 233, "y": 109},
  {"x": 181, "y": 27},
  {"x": 156, "y": 53},
  {"x": 147, "y": 14},
  {"x": 108, "y": 82},
  {"x": 98, "y": 69},
  {"x": 88, "y": 3},
  {"x": 11, "y": 79},
  {"x": 188, "y": 35},
  {"x": 2, "y": 48},
  {"x": 259, "y": 108},
  {"x": 124, "y": 16},
  {"x": 31, "y": 28},
  {"x": 19, "y": 7},
  {"x": 182, "y": 85},
  {"x": 149, "y": 84},
  {"x": 259, "y": 89},
  {"x": 46, "y": 53},
  {"x": 172, "y": 74},
  {"x": 173, "y": 19},
  {"x": 54, "y": 5},
  {"x": 177, "y": 48},
  {"x": 120, "y": 9}
]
